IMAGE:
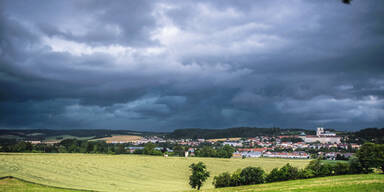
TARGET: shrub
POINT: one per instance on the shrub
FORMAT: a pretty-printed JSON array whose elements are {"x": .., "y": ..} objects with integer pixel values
[
  {"x": 306, "y": 173},
  {"x": 371, "y": 156},
  {"x": 252, "y": 175},
  {"x": 222, "y": 180},
  {"x": 273, "y": 176},
  {"x": 355, "y": 166},
  {"x": 325, "y": 170},
  {"x": 236, "y": 179},
  {"x": 287, "y": 172},
  {"x": 341, "y": 168}
]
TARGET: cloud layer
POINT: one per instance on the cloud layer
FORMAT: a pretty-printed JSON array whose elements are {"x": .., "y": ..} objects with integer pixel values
[{"x": 163, "y": 65}]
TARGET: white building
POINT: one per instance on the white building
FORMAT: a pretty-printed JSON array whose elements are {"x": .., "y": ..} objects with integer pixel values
[
  {"x": 320, "y": 132},
  {"x": 322, "y": 137},
  {"x": 233, "y": 144}
]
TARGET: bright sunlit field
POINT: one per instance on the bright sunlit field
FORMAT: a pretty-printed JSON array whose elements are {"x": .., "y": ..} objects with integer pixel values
[
  {"x": 121, "y": 172},
  {"x": 343, "y": 183}
]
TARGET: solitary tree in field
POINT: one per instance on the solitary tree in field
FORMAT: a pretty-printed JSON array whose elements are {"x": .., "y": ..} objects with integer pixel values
[{"x": 199, "y": 175}]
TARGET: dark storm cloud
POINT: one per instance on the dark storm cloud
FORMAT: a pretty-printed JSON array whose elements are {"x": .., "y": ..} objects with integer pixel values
[{"x": 163, "y": 65}]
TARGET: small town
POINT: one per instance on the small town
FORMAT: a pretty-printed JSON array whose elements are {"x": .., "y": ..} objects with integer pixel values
[{"x": 324, "y": 144}]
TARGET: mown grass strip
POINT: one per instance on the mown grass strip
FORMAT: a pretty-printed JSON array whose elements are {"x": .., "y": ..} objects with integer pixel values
[
  {"x": 347, "y": 183},
  {"x": 14, "y": 184}
]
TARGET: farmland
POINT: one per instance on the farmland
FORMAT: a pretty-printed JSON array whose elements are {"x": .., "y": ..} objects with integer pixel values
[
  {"x": 347, "y": 183},
  {"x": 119, "y": 138},
  {"x": 16, "y": 185},
  {"x": 121, "y": 172}
]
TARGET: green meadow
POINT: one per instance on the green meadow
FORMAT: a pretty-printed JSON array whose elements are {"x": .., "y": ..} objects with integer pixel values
[
  {"x": 343, "y": 183},
  {"x": 16, "y": 185},
  {"x": 102, "y": 172}
]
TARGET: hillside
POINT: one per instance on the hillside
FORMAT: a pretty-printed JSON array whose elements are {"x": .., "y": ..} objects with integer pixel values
[
  {"x": 8, "y": 184},
  {"x": 121, "y": 172},
  {"x": 347, "y": 183},
  {"x": 234, "y": 132}
]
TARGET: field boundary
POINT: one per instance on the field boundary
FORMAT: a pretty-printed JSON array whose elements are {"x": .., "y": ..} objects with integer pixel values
[{"x": 31, "y": 182}]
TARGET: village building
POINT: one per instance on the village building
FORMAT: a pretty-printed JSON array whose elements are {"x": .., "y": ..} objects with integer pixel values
[
  {"x": 322, "y": 137},
  {"x": 293, "y": 155}
]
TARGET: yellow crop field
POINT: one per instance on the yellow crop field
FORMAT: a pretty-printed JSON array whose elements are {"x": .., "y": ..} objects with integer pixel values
[
  {"x": 102, "y": 172},
  {"x": 120, "y": 138}
]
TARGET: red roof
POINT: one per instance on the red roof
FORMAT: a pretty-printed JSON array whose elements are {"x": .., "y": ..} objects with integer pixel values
[{"x": 252, "y": 149}]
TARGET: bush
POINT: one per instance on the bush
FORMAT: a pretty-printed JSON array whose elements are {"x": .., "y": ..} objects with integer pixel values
[
  {"x": 236, "y": 178},
  {"x": 371, "y": 156},
  {"x": 252, "y": 175},
  {"x": 341, "y": 168},
  {"x": 222, "y": 180},
  {"x": 355, "y": 166},
  {"x": 306, "y": 173},
  {"x": 314, "y": 166},
  {"x": 273, "y": 176},
  {"x": 287, "y": 172},
  {"x": 325, "y": 170}
]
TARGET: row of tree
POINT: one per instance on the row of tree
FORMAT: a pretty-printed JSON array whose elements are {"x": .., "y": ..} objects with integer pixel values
[
  {"x": 256, "y": 175},
  {"x": 221, "y": 152},
  {"x": 65, "y": 146},
  {"x": 84, "y": 146}
]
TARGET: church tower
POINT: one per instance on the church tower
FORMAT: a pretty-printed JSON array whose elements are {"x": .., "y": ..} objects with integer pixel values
[{"x": 319, "y": 131}]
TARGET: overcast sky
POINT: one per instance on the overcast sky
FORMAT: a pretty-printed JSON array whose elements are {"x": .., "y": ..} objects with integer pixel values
[{"x": 164, "y": 65}]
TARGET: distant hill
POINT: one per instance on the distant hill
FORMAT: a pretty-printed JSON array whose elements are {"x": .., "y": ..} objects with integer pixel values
[
  {"x": 41, "y": 134},
  {"x": 195, "y": 133},
  {"x": 374, "y": 135}
]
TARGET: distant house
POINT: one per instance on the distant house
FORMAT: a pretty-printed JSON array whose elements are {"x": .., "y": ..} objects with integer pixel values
[
  {"x": 355, "y": 146},
  {"x": 252, "y": 150},
  {"x": 236, "y": 155},
  {"x": 252, "y": 154},
  {"x": 249, "y": 152},
  {"x": 293, "y": 155},
  {"x": 233, "y": 144},
  {"x": 190, "y": 152},
  {"x": 33, "y": 142},
  {"x": 333, "y": 155},
  {"x": 132, "y": 149}
]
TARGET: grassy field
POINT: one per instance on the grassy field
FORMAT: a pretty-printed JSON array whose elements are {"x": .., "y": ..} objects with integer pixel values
[
  {"x": 121, "y": 172},
  {"x": 347, "y": 183},
  {"x": 16, "y": 185}
]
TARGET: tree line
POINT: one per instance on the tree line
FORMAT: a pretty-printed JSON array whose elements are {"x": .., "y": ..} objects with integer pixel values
[
  {"x": 84, "y": 146},
  {"x": 370, "y": 156},
  {"x": 65, "y": 146}
]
